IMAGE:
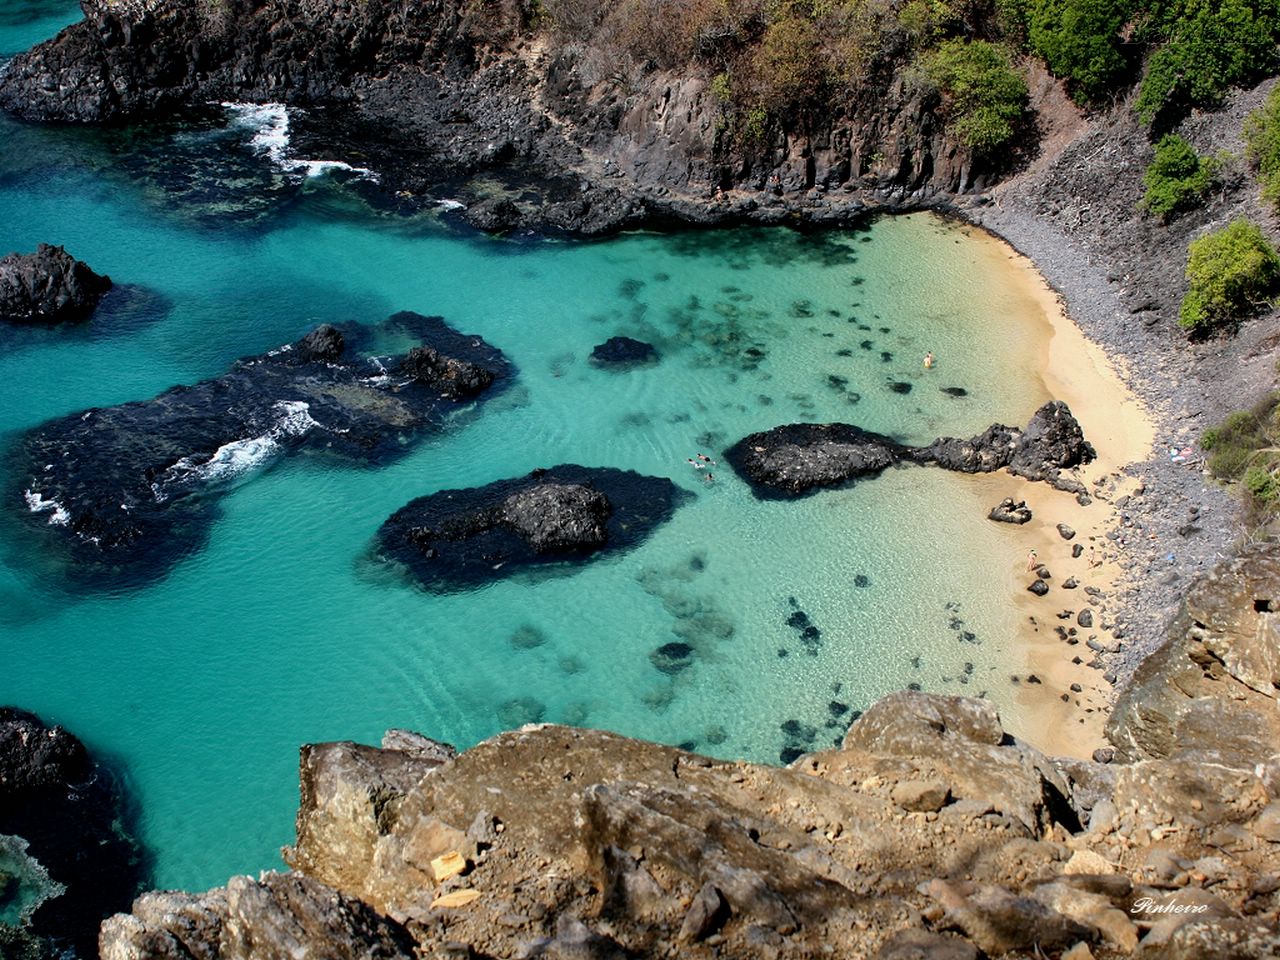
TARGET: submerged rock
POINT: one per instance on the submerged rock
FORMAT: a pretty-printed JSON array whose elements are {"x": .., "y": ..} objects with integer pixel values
[
  {"x": 127, "y": 490},
  {"x": 624, "y": 351},
  {"x": 48, "y": 287},
  {"x": 459, "y": 539},
  {"x": 63, "y": 847}
]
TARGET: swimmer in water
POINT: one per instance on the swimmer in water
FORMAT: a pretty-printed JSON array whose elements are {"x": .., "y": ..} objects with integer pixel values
[{"x": 928, "y": 360}]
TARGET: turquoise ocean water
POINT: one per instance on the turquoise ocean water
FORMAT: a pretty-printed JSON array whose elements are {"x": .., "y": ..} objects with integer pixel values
[{"x": 202, "y": 686}]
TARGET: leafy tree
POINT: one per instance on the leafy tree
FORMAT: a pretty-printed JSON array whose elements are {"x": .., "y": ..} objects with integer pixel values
[
  {"x": 1233, "y": 272},
  {"x": 1262, "y": 137},
  {"x": 1210, "y": 45},
  {"x": 983, "y": 95},
  {"x": 1177, "y": 179},
  {"x": 1080, "y": 41}
]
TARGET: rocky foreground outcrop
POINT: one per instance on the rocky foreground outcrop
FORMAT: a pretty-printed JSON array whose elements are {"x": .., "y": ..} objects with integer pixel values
[
  {"x": 66, "y": 861},
  {"x": 930, "y": 832},
  {"x": 797, "y": 458},
  {"x": 460, "y": 539},
  {"x": 48, "y": 287},
  {"x": 126, "y": 491}
]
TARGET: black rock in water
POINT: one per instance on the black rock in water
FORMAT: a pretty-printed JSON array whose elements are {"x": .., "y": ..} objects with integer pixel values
[
  {"x": 126, "y": 491},
  {"x": 954, "y": 391},
  {"x": 624, "y": 351},
  {"x": 799, "y": 457},
  {"x": 461, "y": 539},
  {"x": 48, "y": 287},
  {"x": 67, "y": 814}
]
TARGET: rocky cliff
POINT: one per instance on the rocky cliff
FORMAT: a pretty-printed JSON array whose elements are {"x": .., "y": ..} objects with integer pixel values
[
  {"x": 929, "y": 833},
  {"x": 447, "y": 95}
]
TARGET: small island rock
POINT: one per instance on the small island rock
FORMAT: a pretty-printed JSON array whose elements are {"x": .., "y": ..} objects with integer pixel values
[{"x": 48, "y": 287}]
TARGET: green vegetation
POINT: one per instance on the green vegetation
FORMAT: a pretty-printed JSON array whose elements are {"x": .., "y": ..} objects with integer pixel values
[
  {"x": 1262, "y": 135},
  {"x": 983, "y": 95},
  {"x": 1245, "y": 448},
  {"x": 1233, "y": 272},
  {"x": 1206, "y": 47},
  {"x": 1177, "y": 179},
  {"x": 1080, "y": 40}
]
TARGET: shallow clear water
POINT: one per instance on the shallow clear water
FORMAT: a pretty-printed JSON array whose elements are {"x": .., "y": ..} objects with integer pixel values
[{"x": 203, "y": 685}]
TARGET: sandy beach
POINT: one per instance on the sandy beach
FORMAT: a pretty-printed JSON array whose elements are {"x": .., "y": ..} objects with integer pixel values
[{"x": 1056, "y": 716}]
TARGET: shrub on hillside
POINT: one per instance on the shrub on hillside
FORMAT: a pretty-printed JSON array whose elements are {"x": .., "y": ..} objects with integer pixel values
[
  {"x": 1080, "y": 41},
  {"x": 1233, "y": 272},
  {"x": 983, "y": 95},
  {"x": 1262, "y": 136},
  {"x": 1243, "y": 448},
  {"x": 1207, "y": 47},
  {"x": 1177, "y": 179}
]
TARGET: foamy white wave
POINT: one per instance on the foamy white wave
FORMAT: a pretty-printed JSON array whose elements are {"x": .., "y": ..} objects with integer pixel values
[
  {"x": 58, "y": 515},
  {"x": 270, "y": 125},
  {"x": 239, "y": 456},
  {"x": 451, "y": 205}
]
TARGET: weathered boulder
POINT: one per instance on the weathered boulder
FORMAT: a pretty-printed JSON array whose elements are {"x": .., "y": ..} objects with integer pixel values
[
  {"x": 62, "y": 825},
  {"x": 1008, "y": 511},
  {"x": 623, "y": 352},
  {"x": 797, "y": 458},
  {"x": 967, "y": 750},
  {"x": 460, "y": 539},
  {"x": 122, "y": 493},
  {"x": 279, "y": 917},
  {"x": 47, "y": 287}
]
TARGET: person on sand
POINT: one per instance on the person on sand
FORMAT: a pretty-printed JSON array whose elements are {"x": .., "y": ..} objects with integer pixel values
[
  {"x": 928, "y": 360},
  {"x": 1032, "y": 560}
]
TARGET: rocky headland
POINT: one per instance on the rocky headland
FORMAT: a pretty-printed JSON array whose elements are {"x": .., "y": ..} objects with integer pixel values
[
  {"x": 67, "y": 860},
  {"x": 124, "y": 492},
  {"x": 929, "y": 832},
  {"x": 550, "y": 520},
  {"x": 48, "y": 287}
]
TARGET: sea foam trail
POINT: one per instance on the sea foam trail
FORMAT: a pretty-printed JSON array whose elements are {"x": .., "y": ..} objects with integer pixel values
[
  {"x": 234, "y": 459},
  {"x": 270, "y": 125}
]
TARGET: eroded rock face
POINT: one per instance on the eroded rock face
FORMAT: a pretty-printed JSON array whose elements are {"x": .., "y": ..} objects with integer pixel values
[
  {"x": 1210, "y": 693},
  {"x": 124, "y": 492},
  {"x": 279, "y": 917},
  {"x": 460, "y": 539},
  {"x": 66, "y": 813},
  {"x": 797, "y": 458},
  {"x": 458, "y": 93},
  {"x": 48, "y": 287}
]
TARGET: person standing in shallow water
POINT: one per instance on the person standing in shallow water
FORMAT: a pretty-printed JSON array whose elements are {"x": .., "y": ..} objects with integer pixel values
[{"x": 928, "y": 360}]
